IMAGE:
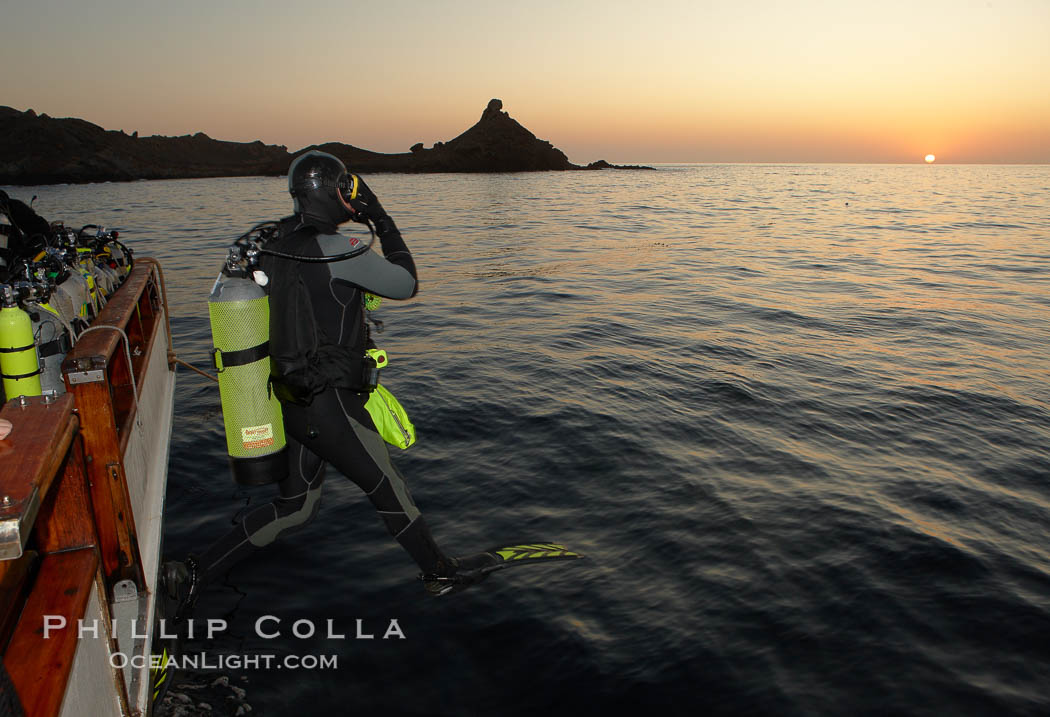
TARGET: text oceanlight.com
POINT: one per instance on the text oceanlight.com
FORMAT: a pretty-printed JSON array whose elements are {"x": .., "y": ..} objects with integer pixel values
[{"x": 204, "y": 661}]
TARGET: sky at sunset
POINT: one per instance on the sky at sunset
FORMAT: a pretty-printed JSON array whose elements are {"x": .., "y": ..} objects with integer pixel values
[{"x": 666, "y": 81}]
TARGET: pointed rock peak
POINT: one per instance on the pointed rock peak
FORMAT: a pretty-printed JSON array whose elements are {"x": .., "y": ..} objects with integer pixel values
[{"x": 493, "y": 110}]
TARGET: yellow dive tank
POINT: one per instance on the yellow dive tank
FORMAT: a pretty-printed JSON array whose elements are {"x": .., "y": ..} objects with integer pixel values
[
  {"x": 240, "y": 329},
  {"x": 19, "y": 362}
]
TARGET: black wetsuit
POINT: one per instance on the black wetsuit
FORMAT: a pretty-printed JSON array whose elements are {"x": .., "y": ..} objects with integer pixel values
[{"x": 335, "y": 427}]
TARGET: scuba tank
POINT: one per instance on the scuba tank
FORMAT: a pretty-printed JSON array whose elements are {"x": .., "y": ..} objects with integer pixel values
[
  {"x": 53, "y": 342},
  {"x": 122, "y": 258},
  {"x": 72, "y": 279},
  {"x": 109, "y": 273},
  {"x": 104, "y": 279},
  {"x": 86, "y": 265},
  {"x": 75, "y": 287},
  {"x": 115, "y": 278},
  {"x": 240, "y": 326},
  {"x": 94, "y": 299},
  {"x": 5, "y": 229},
  {"x": 19, "y": 362},
  {"x": 62, "y": 303}
]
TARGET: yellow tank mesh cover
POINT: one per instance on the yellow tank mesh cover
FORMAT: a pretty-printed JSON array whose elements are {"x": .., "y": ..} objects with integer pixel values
[
  {"x": 251, "y": 414},
  {"x": 16, "y": 332}
]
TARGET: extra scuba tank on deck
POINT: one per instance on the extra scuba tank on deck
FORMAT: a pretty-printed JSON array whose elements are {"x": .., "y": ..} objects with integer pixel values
[
  {"x": 75, "y": 288},
  {"x": 19, "y": 361},
  {"x": 240, "y": 327},
  {"x": 53, "y": 341}
]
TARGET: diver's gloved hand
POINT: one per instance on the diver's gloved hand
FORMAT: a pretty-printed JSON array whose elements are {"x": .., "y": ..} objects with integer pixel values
[
  {"x": 366, "y": 203},
  {"x": 367, "y": 206}
]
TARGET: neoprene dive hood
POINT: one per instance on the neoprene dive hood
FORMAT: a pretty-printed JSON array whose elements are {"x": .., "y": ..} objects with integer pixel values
[{"x": 322, "y": 189}]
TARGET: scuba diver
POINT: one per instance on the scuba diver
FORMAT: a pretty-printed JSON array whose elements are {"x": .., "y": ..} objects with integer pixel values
[{"x": 323, "y": 403}]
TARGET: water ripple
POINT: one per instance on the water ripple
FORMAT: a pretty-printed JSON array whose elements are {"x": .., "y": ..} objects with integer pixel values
[{"x": 797, "y": 417}]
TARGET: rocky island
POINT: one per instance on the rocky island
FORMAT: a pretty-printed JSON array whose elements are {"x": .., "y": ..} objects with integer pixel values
[{"x": 37, "y": 149}]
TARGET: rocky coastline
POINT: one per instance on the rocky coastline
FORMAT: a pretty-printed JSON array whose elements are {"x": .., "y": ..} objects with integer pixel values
[{"x": 38, "y": 149}]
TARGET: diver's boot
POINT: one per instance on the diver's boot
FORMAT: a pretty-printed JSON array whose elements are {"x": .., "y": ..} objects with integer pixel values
[
  {"x": 441, "y": 574},
  {"x": 459, "y": 574},
  {"x": 418, "y": 542},
  {"x": 181, "y": 584}
]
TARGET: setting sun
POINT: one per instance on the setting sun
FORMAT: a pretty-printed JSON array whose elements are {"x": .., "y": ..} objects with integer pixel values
[{"x": 930, "y": 158}]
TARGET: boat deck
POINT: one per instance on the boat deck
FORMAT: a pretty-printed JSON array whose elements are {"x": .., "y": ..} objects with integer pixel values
[{"x": 82, "y": 484}]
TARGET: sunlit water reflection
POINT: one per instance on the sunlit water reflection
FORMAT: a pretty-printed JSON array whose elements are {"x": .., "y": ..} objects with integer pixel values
[{"x": 797, "y": 417}]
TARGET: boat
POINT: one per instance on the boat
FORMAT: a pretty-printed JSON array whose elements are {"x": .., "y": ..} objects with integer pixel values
[{"x": 82, "y": 489}]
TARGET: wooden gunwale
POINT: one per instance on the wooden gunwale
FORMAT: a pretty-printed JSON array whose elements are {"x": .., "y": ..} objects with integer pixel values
[{"x": 106, "y": 403}]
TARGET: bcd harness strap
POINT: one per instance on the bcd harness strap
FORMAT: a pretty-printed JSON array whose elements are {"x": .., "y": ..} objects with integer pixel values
[{"x": 61, "y": 345}]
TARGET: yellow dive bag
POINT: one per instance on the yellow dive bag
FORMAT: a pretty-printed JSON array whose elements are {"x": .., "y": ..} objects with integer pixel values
[{"x": 389, "y": 416}]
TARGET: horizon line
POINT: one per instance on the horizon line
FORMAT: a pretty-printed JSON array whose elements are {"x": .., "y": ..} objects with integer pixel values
[{"x": 918, "y": 161}]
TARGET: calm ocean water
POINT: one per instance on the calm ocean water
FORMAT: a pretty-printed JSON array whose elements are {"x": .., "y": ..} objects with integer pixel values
[{"x": 797, "y": 417}]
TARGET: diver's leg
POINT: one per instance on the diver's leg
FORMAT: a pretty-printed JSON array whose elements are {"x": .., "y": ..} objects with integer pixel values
[
  {"x": 340, "y": 430},
  {"x": 295, "y": 506}
]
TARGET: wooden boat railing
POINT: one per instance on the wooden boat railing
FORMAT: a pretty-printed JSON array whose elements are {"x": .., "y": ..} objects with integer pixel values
[{"x": 67, "y": 524}]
